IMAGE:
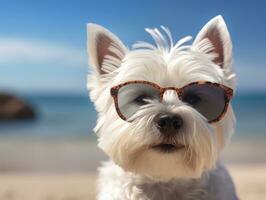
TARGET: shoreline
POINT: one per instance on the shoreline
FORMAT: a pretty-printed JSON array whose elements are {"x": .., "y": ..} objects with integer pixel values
[{"x": 82, "y": 154}]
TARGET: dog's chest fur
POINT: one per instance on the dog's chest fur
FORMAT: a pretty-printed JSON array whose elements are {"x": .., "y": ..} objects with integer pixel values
[
  {"x": 116, "y": 184},
  {"x": 173, "y": 190}
]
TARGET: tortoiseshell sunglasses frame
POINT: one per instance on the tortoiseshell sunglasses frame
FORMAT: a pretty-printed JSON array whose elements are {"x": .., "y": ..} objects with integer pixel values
[{"x": 228, "y": 94}]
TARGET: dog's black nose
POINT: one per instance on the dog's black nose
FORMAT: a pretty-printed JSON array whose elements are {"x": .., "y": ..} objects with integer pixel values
[{"x": 168, "y": 124}]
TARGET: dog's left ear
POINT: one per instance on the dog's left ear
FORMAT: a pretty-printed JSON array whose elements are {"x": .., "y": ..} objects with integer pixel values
[
  {"x": 217, "y": 33},
  {"x": 102, "y": 45}
]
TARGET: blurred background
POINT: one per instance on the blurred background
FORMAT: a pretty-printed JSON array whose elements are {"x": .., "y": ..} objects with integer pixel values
[{"x": 46, "y": 117}]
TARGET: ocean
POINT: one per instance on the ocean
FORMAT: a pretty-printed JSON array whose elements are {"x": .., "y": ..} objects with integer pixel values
[{"x": 74, "y": 116}]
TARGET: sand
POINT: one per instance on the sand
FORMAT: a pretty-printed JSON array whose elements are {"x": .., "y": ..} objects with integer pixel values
[{"x": 250, "y": 181}]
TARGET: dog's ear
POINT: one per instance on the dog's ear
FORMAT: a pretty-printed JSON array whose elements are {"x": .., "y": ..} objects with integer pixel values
[
  {"x": 217, "y": 33},
  {"x": 103, "y": 45},
  {"x": 106, "y": 53}
]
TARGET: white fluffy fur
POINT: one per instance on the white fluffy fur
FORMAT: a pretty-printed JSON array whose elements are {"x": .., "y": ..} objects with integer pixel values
[{"x": 137, "y": 171}]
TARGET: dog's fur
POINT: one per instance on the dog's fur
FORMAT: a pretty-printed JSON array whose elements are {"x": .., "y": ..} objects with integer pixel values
[{"x": 136, "y": 171}]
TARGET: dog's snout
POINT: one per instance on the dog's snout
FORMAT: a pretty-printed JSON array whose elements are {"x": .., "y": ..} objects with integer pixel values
[{"x": 168, "y": 124}]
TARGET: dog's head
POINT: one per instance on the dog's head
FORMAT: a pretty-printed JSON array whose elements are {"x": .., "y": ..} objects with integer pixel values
[{"x": 152, "y": 120}]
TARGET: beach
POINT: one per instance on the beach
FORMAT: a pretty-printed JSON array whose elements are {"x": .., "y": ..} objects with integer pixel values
[{"x": 44, "y": 169}]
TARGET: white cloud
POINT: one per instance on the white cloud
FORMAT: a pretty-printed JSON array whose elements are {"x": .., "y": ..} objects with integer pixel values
[{"x": 23, "y": 51}]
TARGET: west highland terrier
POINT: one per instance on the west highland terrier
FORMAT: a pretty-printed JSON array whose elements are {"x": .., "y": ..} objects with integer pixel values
[{"x": 164, "y": 114}]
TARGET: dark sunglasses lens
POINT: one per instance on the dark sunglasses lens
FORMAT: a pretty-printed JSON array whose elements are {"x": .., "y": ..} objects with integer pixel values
[
  {"x": 133, "y": 96},
  {"x": 208, "y": 99}
]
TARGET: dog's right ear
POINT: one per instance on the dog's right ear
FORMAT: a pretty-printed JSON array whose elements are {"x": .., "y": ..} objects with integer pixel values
[
  {"x": 105, "y": 50},
  {"x": 106, "y": 53}
]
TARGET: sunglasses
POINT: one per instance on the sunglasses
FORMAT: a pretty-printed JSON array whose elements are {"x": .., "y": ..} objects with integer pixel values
[{"x": 210, "y": 99}]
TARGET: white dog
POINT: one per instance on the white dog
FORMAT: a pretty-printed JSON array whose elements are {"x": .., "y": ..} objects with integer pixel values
[{"x": 164, "y": 114}]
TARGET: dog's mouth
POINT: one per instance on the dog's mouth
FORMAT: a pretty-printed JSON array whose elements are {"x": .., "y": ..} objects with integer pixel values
[{"x": 168, "y": 147}]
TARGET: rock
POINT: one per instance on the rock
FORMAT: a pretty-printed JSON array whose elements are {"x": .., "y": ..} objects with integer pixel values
[{"x": 13, "y": 108}]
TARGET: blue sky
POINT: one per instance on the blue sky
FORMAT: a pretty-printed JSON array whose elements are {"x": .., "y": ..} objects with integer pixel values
[{"x": 43, "y": 43}]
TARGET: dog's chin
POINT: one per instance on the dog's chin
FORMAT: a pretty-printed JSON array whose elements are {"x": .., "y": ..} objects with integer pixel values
[{"x": 163, "y": 162}]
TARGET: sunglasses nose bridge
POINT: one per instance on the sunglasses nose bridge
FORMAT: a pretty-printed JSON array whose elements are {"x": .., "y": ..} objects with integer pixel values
[{"x": 170, "y": 94}]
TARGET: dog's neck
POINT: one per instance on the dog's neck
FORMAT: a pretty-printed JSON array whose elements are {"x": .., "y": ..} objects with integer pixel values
[{"x": 215, "y": 184}]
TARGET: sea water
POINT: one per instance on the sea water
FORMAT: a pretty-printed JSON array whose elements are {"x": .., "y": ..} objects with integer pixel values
[{"x": 74, "y": 115}]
